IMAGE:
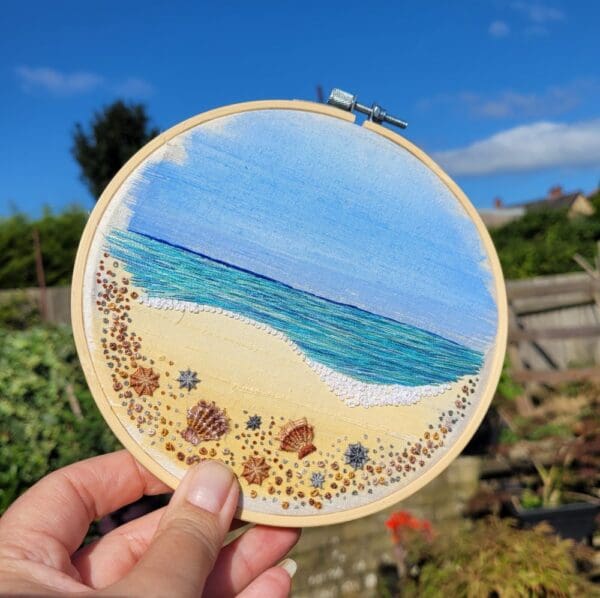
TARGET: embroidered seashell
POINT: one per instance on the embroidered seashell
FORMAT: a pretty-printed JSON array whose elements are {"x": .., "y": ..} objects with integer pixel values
[
  {"x": 297, "y": 436},
  {"x": 256, "y": 470},
  {"x": 144, "y": 381},
  {"x": 205, "y": 421}
]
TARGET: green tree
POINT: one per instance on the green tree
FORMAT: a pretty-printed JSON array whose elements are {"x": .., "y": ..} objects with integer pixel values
[{"x": 115, "y": 134}]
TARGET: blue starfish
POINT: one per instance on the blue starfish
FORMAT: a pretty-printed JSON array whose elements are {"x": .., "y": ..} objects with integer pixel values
[
  {"x": 188, "y": 379},
  {"x": 317, "y": 480},
  {"x": 254, "y": 422},
  {"x": 356, "y": 455}
]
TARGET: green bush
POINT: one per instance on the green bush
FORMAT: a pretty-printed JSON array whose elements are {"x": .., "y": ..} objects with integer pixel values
[
  {"x": 42, "y": 388},
  {"x": 18, "y": 311},
  {"x": 494, "y": 559},
  {"x": 508, "y": 389},
  {"x": 59, "y": 237},
  {"x": 544, "y": 242}
]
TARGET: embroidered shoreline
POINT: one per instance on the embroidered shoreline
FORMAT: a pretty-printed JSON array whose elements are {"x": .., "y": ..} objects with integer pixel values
[{"x": 353, "y": 392}]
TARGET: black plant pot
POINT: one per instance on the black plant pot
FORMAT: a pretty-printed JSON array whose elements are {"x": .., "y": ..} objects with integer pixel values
[{"x": 574, "y": 520}]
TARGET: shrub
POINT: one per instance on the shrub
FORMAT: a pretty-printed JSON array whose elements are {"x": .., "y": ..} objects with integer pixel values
[
  {"x": 59, "y": 236},
  {"x": 18, "y": 310},
  {"x": 493, "y": 558},
  {"x": 48, "y": 417},
  {"x": 544, "y": 242}
]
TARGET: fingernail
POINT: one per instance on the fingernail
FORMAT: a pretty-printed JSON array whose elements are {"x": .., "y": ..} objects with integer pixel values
[
  {"x": 289, "y": 566},
  {"x": 209, "y": 485}
]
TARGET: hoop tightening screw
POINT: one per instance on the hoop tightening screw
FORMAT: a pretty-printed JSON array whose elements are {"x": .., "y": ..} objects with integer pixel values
[{"x": 346, "y": 101}]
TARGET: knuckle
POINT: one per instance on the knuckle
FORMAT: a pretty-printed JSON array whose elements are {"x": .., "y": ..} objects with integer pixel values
[{"x": 201, "y": 531}]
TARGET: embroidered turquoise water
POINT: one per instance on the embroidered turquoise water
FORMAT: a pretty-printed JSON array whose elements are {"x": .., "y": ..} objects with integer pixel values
[{"x": 362, "y": 345}]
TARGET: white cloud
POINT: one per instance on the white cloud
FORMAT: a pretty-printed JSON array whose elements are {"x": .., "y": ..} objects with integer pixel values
[
  {"x": 550, "y": 102},
  {"x": 499, "y": 29},
  {"x": 53, "y": 81},
  {"x": 134, "y": 86},
  {"x": 538, "y": 12},
  {"x": 509, "y": 103},
  {"x": 530, "y": 147},
  {"x": 532, "y": 18},
  {"x": 58, "y": 83}
]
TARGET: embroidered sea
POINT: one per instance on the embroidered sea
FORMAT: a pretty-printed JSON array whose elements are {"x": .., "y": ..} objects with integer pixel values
[{"x": 352, "y": 345}]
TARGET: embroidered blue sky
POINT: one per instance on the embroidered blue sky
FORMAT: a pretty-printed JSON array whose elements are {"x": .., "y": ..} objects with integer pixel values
[{"x": 326, "y": 207}]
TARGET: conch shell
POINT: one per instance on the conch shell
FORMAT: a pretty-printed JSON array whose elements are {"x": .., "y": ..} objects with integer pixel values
[{"x": 296, "y": 437}]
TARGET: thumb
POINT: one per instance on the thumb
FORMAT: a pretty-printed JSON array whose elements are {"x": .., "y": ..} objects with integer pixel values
[{"x": 189, "y": 537}]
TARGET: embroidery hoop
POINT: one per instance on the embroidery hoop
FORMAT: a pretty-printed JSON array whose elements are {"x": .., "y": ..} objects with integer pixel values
[{"x": 244, "y": 513}]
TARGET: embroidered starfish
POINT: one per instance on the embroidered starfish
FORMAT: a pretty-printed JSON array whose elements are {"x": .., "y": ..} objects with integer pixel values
[
  {"x": 356, "y": 455},
  {"x": 317, "y": 480},
  {"x": 144, "y": 381},
  {"x": 256, "y": 470},
  {"x": 254, "y": 422},
  {"x": 188, "y": 379}
]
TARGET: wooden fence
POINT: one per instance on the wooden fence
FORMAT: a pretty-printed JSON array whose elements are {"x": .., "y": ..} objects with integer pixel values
[
  {"x": 554, "y": 332},
  {"x": 57, "y": 301}
]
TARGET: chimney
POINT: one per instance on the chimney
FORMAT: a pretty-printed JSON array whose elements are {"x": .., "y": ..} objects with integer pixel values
[
  {"x": 498, "y": 203},
  {"x": 555, "y": 192}
]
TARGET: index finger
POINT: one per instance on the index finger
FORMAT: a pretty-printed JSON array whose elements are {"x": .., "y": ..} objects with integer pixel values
[{"x": 64, "y": 503}]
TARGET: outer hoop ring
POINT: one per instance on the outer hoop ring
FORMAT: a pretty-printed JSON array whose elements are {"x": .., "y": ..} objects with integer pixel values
[{"x": 120, "y": 431}]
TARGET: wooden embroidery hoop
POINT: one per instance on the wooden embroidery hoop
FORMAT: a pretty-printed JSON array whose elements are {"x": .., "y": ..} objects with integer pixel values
[{"x": 77, "y": 298}]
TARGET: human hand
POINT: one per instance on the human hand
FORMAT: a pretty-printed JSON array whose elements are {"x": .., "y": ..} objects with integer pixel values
[{"x": 174, "y": 551}]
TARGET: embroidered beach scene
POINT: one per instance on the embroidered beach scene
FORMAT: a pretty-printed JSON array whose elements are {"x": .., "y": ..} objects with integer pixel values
[{"x": 296, "y": 296}]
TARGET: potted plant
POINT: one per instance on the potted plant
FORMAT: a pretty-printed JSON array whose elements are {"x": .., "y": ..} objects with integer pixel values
[{"x": 564, "y": 489}]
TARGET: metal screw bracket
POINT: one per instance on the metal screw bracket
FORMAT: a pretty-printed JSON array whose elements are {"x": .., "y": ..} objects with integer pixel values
[{"x": 346, "y": 101}]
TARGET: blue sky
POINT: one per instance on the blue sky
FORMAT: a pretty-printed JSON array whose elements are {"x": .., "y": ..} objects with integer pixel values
[
  {"x": 345, "y": 216},
  {"x": 518, "y": 79}
]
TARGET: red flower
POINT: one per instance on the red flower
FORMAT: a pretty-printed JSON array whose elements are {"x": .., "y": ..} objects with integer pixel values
[{"x": 403, "y": 520}]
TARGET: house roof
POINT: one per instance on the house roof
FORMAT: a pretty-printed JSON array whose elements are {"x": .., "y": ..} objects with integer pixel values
[
  {"x": 495, "y": 217},
  {"x": 565, "y": 200}
]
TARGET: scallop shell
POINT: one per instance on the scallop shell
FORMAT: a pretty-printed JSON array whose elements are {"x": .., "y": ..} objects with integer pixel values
[
  {"x": 297, "y": 436},
  {"x": 205, "y": 421}
]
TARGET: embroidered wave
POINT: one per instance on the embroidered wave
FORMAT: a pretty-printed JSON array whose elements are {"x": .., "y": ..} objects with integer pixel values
[
  {"x": 345, "y": 340},
  {"x": 351, "y": 391}
]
